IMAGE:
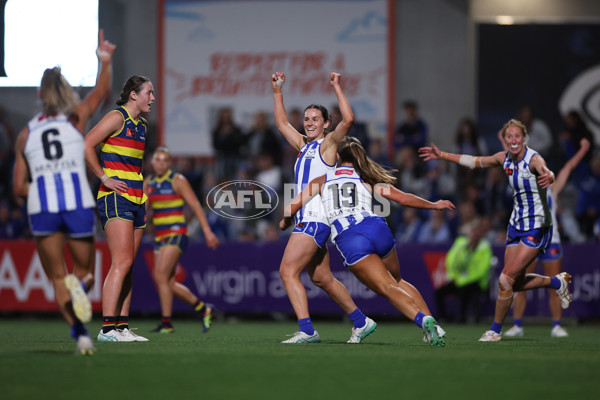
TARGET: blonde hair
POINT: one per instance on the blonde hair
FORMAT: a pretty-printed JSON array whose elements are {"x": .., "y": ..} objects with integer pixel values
[
  {"x": 518, "y": 124},
  {"x": 350, "y": 150},
  {"x": 56, "y": 93},
  {"x": 162, "y": 149}
]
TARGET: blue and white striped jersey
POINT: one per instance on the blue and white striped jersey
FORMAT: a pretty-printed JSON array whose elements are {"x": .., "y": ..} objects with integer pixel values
[
  {"x": 310, "y": 165},
  {"x": 54, "y": 153},
  {"x": 530, "y": 204},
  {"x": 346, "y": 200}
]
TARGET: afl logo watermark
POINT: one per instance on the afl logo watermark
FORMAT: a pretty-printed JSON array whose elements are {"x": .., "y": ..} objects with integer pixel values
[{"x": 242, "y": 199}]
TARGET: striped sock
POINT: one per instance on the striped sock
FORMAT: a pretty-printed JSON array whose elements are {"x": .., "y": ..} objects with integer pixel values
[
  {"x": 108, "y": 324},
  {"x": 123, "y": 322}
]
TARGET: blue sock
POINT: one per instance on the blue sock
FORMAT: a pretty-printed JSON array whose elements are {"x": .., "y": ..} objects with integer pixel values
[
  {"x": 85, "y": 289},
  {"x": 78, "y": 329},
  {"x": 496, "y": 327},
  {"x": 554, "y": 283},
  {"x": 419, "y": 319},
  {"x": 519, "y": 322},
  {"x": 555, "y": 323},
  {"x": 306, "y": 326},
  {"x": 358, "y": 318}
]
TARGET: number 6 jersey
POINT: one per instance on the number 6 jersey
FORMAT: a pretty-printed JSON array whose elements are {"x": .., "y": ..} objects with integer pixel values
[
  {"x": 54, "y": 154},
  {"x": 346, "y": 200}
]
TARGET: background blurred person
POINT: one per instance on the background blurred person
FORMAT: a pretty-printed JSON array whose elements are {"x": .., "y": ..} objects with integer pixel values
[
  {"x": 60, "y": 204},
  {"x": 468, "y": 265},
  {"x": 168, "y": 192},
  {"x": 413, "y": 130}
]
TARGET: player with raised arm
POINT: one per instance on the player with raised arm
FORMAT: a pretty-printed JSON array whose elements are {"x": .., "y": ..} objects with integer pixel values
[
  {"x": 364, "y": 239},
  {"x": 530, "y": 225},
  {"x": 50, "y": 171},
  {"x": 306, "y": 248}
]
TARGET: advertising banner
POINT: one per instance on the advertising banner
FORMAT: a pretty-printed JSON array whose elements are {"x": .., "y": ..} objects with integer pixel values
[{"x": 243, "y": 278}]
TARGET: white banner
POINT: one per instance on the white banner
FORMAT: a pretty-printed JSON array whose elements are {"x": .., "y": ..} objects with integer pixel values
[{"x": 223, "y": 53}]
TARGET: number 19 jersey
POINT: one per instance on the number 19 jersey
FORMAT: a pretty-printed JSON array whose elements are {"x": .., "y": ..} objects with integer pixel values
[
  {"x": 54, "y": 154},
  {"x": 346, "y": 200},
  {"x": 310, "y": 165}
]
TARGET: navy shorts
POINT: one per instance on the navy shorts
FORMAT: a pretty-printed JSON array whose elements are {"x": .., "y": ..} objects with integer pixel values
[
  {"x": 370, "y": 236},
  {"x": 317, "y": 230},
  {"x": 112, "y": 206},
  {"x": 180, "y": 241},
  {"x": 76, "y": 223},
  {"x": 553, "y": 253},
  {"x": 536, "y": 238}
]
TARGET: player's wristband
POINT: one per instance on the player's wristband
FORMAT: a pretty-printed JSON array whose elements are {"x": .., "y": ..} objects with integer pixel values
[
  {"x": 104, "y": 178},
  {"x": 277, "y": 91}
]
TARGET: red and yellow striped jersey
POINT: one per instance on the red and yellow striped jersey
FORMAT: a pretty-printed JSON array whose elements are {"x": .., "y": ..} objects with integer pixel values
[
  {"x": 167, "y": 205},
  {"x": 121, "y": 157}
]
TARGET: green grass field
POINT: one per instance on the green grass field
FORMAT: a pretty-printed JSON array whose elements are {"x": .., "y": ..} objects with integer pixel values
[{"x": 245, "y": 360}]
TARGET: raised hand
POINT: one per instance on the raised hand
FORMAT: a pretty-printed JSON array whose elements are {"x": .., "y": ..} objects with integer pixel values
[
  {"x": 278, "y": 78},
  {"x": 105, "y": 48},
  {"x": 335, "y": 78}
]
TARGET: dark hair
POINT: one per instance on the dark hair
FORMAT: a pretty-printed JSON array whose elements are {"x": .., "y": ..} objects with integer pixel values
[
  {"x": 324, "y": 112},
  {"x": 133, "y": 84},
  {"x": 350, "y": 150}
]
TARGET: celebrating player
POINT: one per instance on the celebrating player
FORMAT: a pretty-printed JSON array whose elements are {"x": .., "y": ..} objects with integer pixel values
[
  {"x": 530, "y": 225},
  {"x": 364, "y": 239}
]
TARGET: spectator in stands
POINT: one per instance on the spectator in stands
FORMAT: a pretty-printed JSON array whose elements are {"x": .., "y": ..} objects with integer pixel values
[
  {"x": 570, "y": 138},
  {"x": 540, "y": 137},
  {"x": 358, "y": 130},
  {"x": 412, "y": 131},
  {"x": 468, "y": 141},
  {"x": 262, "y": 139},
  {"x": 228, "y": 142},
  {"x": 435, "y": 230},
  {"x": 588, "y": 200},
  {"x": 409, "y": 227},
  {"x": 468, "y": 265},
  {"x": 7, "y": 153}
]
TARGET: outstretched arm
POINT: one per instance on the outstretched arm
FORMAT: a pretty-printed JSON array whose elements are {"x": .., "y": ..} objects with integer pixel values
[
  {"x": 93, "y": 100},
  {"x": 314, "y": 188},
  {"x": 410, "y": 200},
  {"x": 566, "y": 170},
  {"x": 330, "y": 144},
  {"x": 433, "y": 153},
  {"x": 293, "y": 137},
  {"x": 183, "y": 187}
]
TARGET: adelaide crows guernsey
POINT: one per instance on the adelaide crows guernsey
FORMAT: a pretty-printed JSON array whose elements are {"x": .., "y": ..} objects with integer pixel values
[
  {"x": 167, "y": 205},
  {"x": 121, "y": 157}
]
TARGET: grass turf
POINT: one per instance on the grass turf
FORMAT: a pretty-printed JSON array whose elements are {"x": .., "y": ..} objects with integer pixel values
[{"x": 245, "y": 360}]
